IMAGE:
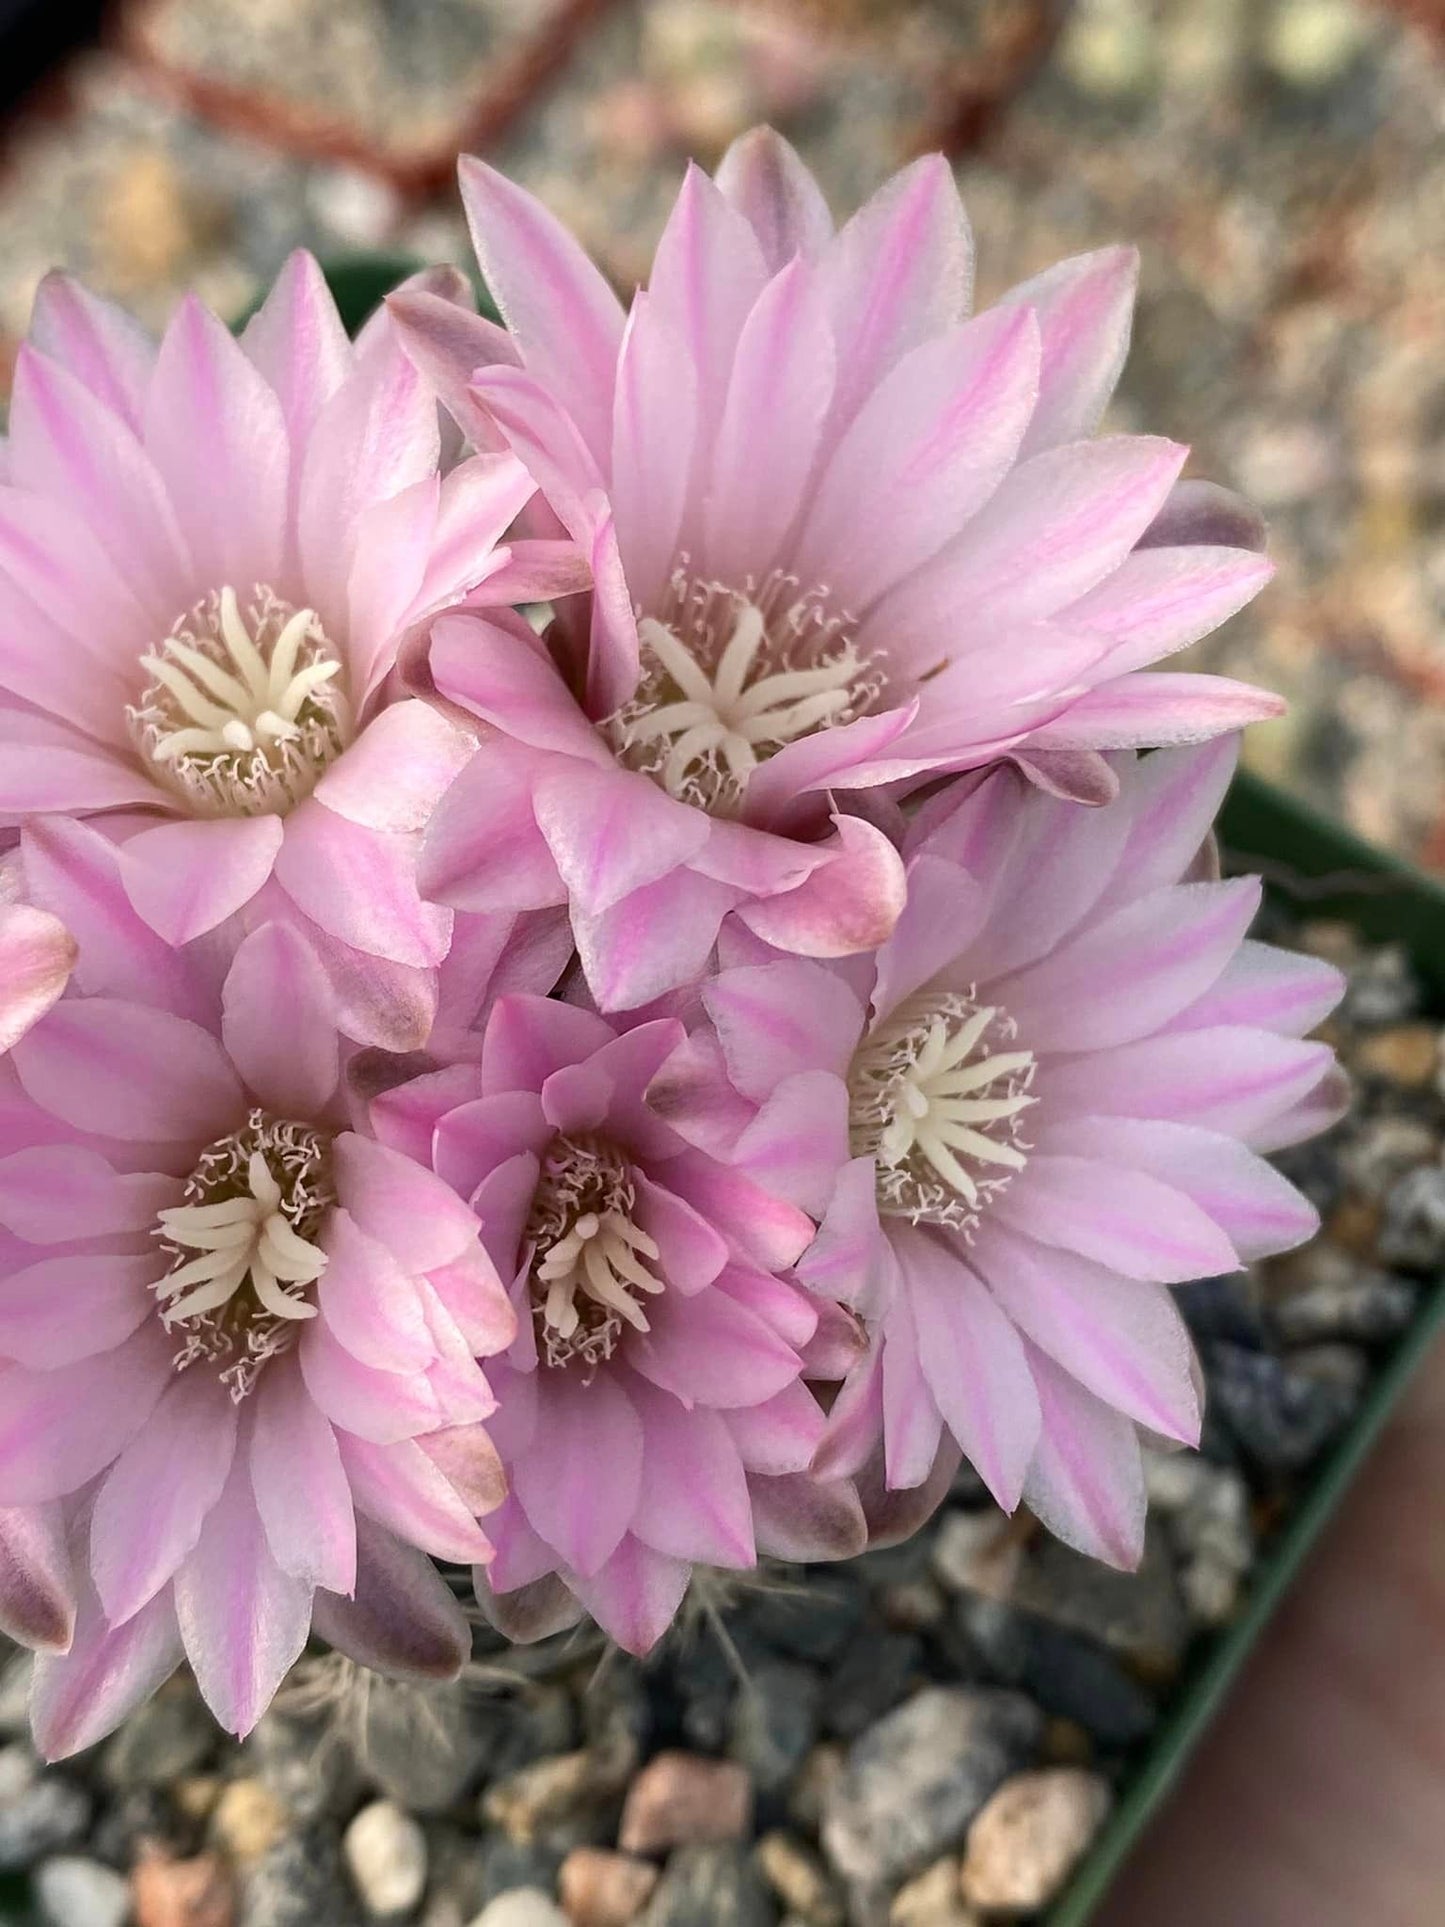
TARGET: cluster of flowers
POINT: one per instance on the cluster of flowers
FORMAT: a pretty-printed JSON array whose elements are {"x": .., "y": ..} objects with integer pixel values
[{"x": 664, "y": 1076}]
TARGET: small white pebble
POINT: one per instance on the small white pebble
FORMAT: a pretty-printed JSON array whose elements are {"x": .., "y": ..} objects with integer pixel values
[
  {"x": 73, "y": 1892},
  {"x": 386, "y": 1852},
  {"x": 522, "y": 1907}
]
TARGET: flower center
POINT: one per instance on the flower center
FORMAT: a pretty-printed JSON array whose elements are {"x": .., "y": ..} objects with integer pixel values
[
  {"x": 244, "y": 711},
  {"x": 242, "y": 1248},
  {"x": 936, "y": 1100},
  {"x": 728, "y": 677},
  {"x": 587, "y": 1252}
]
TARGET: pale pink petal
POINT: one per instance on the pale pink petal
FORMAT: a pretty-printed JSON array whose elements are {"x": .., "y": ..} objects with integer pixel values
[
  {"x": 1174, "y": 797},
  {"x": 763, "y": 178},
  {"x": 295, "y": 338},
  {"x": 635, "y": 1597},
  {"x": 584, "y": 1520},
  {"x": 611, "y": 834},
  {"x": 775, "y": 1020},
  {"x": 37, "y": 955},
  {"x": 778, "y": 396},
  {"x": 184, "y": 878},
  {"x": 653, "y": 941},
  {"x": 1276, "y": 989},
  {"x": 1086, "y": 1482},
  {"x": 96, "y": 341},
  {"x": 943, "y": 914},
  {"x": 781, "y": 1434},
  {"x": 480, "y": 500},
  {"x": 369, "y": 1303},
  {"x": 292, "y": 1068},
  {"x": 1227, "y": 1078},
  {"x": 37, "y": 1587},
  {"x": 528, "y": 1038},
  {"x": 51, "y": 767},
  {"x": 713, "y": 1351},
  {"x": 1084, "y": 307},
  {"x": 693, "y": 1500},
  {"x": 409, "y": 1210},
  {"x": 154, "y": 1500},
  {"x": 59, "y": 1429},
  {"x": 72, "y": 1306},
  {"x": 216, "y": 432},
  {"x": 1160, "y": 600},
  {"x": 131, "y": 1073},
  {"x": 849, "y": 904},
  {"x": 927, "y": 448},
  {"x": 482, "y": 850},
  {"x": 392, "y": 777},
  {"x": 1124, "y": 1340},
  {"x": 299, "y": 1483},
  {"x": 505, "y": 677},
  {"x": 243, "y": 1620},
  {"x": 1157, "y": 711},
  {"x": 973, "y": 1361},
  {"x": 400, "y": 1488},
  {"x": 364, "y": 1399},
  {"x": 900, "y": 272},
  {"x": 653, "y": 430},
  {"x": 449, "y": 344},
  {"x": 762, "y": 1229},
  {"x": 360, "y": 886},
  {"x": 560, "y": 310},
  {"x": 912, "y": 1422},
  {"x": 798, "y": 1141},
  {"x": 1121, "y": 1218},
  {"x": 76, "y": 1699}
]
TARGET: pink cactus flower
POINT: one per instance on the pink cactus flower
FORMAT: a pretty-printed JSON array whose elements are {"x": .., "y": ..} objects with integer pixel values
[
  {"x": 1037, "y": 1106},
  {"x": 238, "y": 1340},
  {"x": 37, "y": 954},
  {"x": 651, "y": 1411},
  {"x": 210, "y": 553},
  {"x": 842, "y": 535}
]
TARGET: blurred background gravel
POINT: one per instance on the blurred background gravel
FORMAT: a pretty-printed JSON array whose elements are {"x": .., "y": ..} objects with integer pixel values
[{"x": 1281, "y": 163}]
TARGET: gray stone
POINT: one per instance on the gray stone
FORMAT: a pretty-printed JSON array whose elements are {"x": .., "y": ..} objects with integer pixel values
[
  {"x": 386, "y": 1852},
  {"x": 1069, "y": 1676},
  {"x": 72, "y": 1892},
  {"x": 306, "y": 1764},
  {"x": 300, "y": 1882},
  {"x": 775, "y": 1721},
  {"x": 15, "y": 1695},
  {"x": 1382, "y": 1150},
  {"x": 1283, "y": 1416},
  {"x": 40, "y": 1813},
  {"x": 1383, "y": 987},
  {"x": 417, "y": 1745},
  {"x": 716, "y": 1886},
  {"x": 913, "y": 1782},
  {"x": 1334, "y": 1296},
  {"x": 162, "y": 1741},
  {"x": 1208, "y": 1508},
  {"x": 814, "y": 1624},
  {"x": 509, "y": 1864},
  {"x": 1138, "y": 1615},
  {"x": 874, "y": 1674},
  {"x": 1413, "y": 1234}
]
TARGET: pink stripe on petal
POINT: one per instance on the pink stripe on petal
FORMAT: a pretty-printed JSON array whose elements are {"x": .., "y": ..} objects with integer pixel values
[
  {"x": 154, "y": 1500},
  {"x": 693, "y": 1500},
  {"x": 59, "y": 1429},
  {"x": 73, "y": 1306},
  {"x": 1119, "y": 1217},
  {"x": 1086, "y": 1482},
  {"x": 185, "y": 878},
  {"x": 1146, "y": 711},
  {"x": 296, "y": 340},
  {"x": 243, "y": 1620},
  {"x": 399, "y": 1487},
  {"x": 1084, "y": 307},
  {"x": 635, "y": 1597},
  {"x": 299, "y": 1483},
  {"x": 127, "y": 1072},
  {"x": 763, "y": 178},
  {"x": 97, "y": 341},
  {"x": 293, "y": 1070},
  {"x": 583, "y": 1520},
  {"x": 78, "y": 1698}
]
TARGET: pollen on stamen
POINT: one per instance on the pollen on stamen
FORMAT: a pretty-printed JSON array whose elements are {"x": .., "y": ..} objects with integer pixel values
[
  {"x": 938, "y": 1094},
  {"x": 245, "y": 708},
  {"x": 729, "y": 677},
  {"x": 590, "y": 1258},
  {"x": 242, "y": 1249}
]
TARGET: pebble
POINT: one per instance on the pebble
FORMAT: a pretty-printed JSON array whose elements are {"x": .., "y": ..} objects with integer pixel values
[
  {"x": 302, "y": 1764},
  {"x": 559, "y": 1799},
  {"x": 1208, "y": 1507},
  {"x": 1383, "y": 987},
  {"x": 1027, "y": 1840},
  {"x": 1383, "y": 1150},
  {"x": 681, "y": 1799},
  {"x": 932, "y": 1900},
  {"x": 418, "y": 1748},
  {"x": 815, "y": 1625},
  {"x": 165, "y": 1739},
  {"x": 15, "y": 1696},
  {"x": 182, "y": 1893},
  {"x": 872, "y": 1676},
  {"x": 300, "y": 1883},
  {"x": 1138, "y": 1615},
  {"x": 73, "y": 1892},
  {"x": 1281, "y": 1415},
  {"x": 710, "y": 1886},
  {"x": 1406, "y": 1055},
  {"x": 913, "y": 1782},
  {"x": 799, "y": 1879},
  {"x": 978, "y": 1552},
  {"x": 1324, "y": 1293},
  {"x": 1413, "y": 1234},
  {"x": 1067, "y": 1675},
  {"x": 775, "y": 1720},
  {"x": 40, "y": 1813},
  {"x": 386, "y": 1852},
  {"x": 522, "y": 1907},
  {"x": 248, "y": 1820},
  {"x": 599, "y": 1888}
]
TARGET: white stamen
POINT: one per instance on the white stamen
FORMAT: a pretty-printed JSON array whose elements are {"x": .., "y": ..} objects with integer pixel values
[
  {"x": 588, "y": 1252},
  {"x": 244, "y": 711},
  {"x": 242, "y": 1248},
  {"x": 939, "y": 1109},
  {"x": 729, "y": 676}
]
